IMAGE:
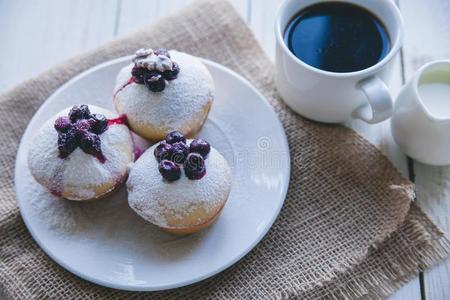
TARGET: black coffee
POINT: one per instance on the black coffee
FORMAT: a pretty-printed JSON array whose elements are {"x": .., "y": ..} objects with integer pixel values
[{"x": 337, "y": 37}]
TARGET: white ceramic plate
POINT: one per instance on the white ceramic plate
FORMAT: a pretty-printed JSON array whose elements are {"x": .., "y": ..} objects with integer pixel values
[{"x": 107, "y": 243}]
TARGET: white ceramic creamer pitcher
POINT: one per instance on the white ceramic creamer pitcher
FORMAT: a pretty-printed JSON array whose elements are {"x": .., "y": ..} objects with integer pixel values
[{"x": 421, "y": 118}]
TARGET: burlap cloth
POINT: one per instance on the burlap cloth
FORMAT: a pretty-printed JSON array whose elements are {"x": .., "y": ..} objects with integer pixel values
[{"x": 347, "y": 229}]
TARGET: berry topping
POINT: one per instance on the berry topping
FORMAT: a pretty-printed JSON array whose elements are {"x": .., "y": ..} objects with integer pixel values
[
  {"x": 143, "y": 53},
  {"x": 90, "y": 143},
  {"x": 194, "y": 166},
  {"x": 171, "y": 74},
  {"x": 174, "y": 137},
  {"x": 82, "y": 126},
  {"x": 67, "y": 143},
  {"x": 174, "y": 150},
  {"x": 162, "y": 151},
  {"x": 62, "y": 124},
  {"x": 138, "y": 74},
  {"x": 81, "y": 129},
  {"x": 99, "y": 123},
  {"x": 178, "y": 152},
  {"x": 155, "y": 82},
  {"x": 79, "y": 112},
  {"x": 169, "y": 170},
  {"x": 200, "y": 146},
  {"x": 153, "y": 68},
  {"x": 162, "y": 51},
  {"x": 153, "y": 62},
  {"x": 121, "y": 120}
]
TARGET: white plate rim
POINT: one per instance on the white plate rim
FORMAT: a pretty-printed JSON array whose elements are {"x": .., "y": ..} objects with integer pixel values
[{"x": 193, "y": 280}]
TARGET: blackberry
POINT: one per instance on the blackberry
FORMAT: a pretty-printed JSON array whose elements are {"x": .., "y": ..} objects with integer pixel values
[
  {"x": 155, "y": 82},
  {"x": 67, "y": 143},
  {"x": 178, "y": 152},
  {"x": 200, "y": 146},
  {"x": 79, "y": 112},
  {"x": 174, "y": 137},
  {"x": 162, "y": 151},
  {"x": 99, "y": 123},
  {"x": 169, "y": 170},
  {"x": 171, "y": 74},
  {"x": 138, "y": 74},
  {"x": 90, "y": 143},
  {"x": 62, "y": 124},
  {"x": 194, "y": 166},
  {"x": 82, "y": 126}
]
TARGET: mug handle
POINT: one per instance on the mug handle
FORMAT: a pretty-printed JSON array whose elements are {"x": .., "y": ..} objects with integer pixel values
[{"x": 379, "y": 101}]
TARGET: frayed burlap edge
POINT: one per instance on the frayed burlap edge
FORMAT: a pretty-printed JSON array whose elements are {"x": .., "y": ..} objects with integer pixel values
[{"x": 430, "y": 247}]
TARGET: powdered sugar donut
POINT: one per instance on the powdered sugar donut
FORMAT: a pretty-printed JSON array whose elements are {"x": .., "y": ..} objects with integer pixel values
[
  {"x": 81, "y": 153},
  {"x": 163, "y": 91},
  {"x": 180, "y": 202}
]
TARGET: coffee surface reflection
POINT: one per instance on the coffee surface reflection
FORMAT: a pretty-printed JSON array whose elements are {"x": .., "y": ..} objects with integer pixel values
[{"x": 337, "y": 37}]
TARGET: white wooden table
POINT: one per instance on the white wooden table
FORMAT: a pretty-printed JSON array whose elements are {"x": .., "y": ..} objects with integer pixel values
[{"x": 37, "y": 34}]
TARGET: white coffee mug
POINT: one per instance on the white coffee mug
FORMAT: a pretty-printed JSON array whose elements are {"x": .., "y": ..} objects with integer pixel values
[{"x": 335, "y": 97}]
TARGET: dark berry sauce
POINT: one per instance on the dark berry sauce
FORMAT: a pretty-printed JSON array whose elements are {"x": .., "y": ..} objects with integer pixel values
[
  {"x": 130, "y": 81},
  {"x": 56, "y": 193},
  {"x": 121, "y": 120},
  {"x": 56, "y": 184},
  {"x": 137, "y": 152},
  {"x": 101, "y": 158}
]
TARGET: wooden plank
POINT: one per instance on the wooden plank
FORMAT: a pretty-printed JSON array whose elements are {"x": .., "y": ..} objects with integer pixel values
[
  {"x": 38, "y": 34},
  {"x": 134, "y": 14},
  {"x": 262, "y": 20},
  {"x": 137, "y": 13},
  {"x": 380, "y": 135},
  {"x": 169, "y": 6},
  {"x": 427, "y": 30},
  {"x": 433, "y": 194},
  {"x": 410, "y": 291}
]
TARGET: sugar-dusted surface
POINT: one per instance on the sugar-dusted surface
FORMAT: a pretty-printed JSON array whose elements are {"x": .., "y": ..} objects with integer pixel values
[
  {"x": 80, "y": 172},
  {"x": 183, "y": 99},
  {"x": 152, "y": 197}
]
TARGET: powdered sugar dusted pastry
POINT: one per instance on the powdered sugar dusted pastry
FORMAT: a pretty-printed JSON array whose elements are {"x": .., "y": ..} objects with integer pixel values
[
  {"x": 178, "y": 185},
  {"x": 163, "y": 91},
  {"x": 82, "y": 153}
]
